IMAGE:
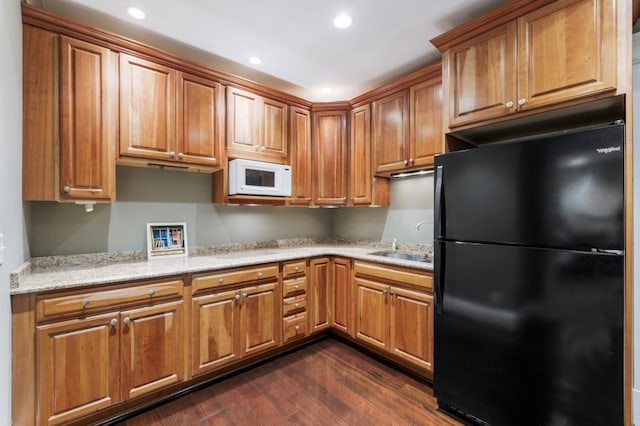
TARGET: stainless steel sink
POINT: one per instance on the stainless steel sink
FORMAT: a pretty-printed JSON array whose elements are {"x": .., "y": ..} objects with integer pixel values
[{"x": 401, "y": 255}]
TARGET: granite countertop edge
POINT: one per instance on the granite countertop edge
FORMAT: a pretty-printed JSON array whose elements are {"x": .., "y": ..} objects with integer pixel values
[{"x": 29, "y": 279}]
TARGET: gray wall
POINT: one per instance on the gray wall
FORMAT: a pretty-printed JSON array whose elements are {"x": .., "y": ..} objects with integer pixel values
[
  {"x": 11, "y": 213},
  {"x": 150, "y": 195},
  {"x": 411, "y": 202}
]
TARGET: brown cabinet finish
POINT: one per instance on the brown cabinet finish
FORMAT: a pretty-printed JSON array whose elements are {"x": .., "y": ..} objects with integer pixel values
[
  {"x": 200, "y": 120},
  {"x": 360, "y": 174},
  {"x": 300, "y": 156},
  {"x": 372, "y": 313},
  {"x": 319, "y": 286},
  {"x": 341, "y": 294},
  {"x": 411, "y": 326},
  {"x": 215, "y": 331},
  {"x": 391, "y": 132},
  {"x": 69, "y": 118},
  {"x": 147, "y": 109},
  {"x": 152, "y": 348},
  {"x": 260, "y": 318},
  {"x": 78, "y": 364},
  {"x": 275, "y": 129},
  {"x": 557, "y": 53},
  {"x": 330, "y": 159},
  {"x": 426, "y": 133}
]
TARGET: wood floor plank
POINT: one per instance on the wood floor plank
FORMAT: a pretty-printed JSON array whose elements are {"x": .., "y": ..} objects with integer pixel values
[{"x": 327, "y": 383}]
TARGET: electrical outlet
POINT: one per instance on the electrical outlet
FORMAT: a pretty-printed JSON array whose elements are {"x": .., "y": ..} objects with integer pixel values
[{"x": 2, "y": 247}]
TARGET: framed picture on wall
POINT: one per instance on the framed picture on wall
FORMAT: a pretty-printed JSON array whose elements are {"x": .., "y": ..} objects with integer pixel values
[{"x": 166, "y": 240}]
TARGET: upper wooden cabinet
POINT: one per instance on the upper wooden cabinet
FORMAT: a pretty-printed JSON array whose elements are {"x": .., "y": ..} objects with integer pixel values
[
  {"x": 330, "y": 158},
  {"x": 151, "y": 107},
  {"x": 300, "y": 151},
  {"x": 69, "y": 130},
  {"x": 256, "y": 127},
  {"x": 555, "y": 54},
  {"x": 407, "y": 124}
]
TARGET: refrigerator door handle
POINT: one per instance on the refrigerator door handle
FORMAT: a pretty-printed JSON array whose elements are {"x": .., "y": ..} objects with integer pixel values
[
  {"x": 438, "y": 202},
  {"x": 439, "y": 275}
]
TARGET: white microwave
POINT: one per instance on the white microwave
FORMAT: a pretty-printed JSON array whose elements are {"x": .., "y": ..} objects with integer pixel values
[{"x": 249, "y": 177}]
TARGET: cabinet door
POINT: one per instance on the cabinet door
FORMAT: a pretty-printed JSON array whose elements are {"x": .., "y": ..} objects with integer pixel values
[
  {"x": 372, "y": 313},
  {"x": 567, "y": 49},
  {"x": 87, "y": 121},
  {"x": 427, "y": 136},
  {"x": 330, "y": 157},
  {"x": 391, "y": 132},
  {"x": 300, "y": 151},
  {"x": 216, "y": 330},
  {"x": 360, "y": 176},
  {"x": 243, "y": 122},
  {"x": 200, "y": 120},
  {"x": 78, "y": 367},
  {"x": 274, "y": 134},
  {"x": 319, "y": 286},
  {"x": 411, "y": 327},
  {"x": 260, "y": 318},
  {"x": 482, "y": 76},
  {"x": 152, "y": 348},
  {"x": 341, "y": 294},
  {"x": 147, "y": 109}
]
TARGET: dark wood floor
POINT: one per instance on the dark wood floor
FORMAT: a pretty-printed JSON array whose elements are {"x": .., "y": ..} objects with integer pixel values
[{"x": 327, "y": 383}]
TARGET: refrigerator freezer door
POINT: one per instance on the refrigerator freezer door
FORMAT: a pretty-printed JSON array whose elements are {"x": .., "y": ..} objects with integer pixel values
[
  {"x": 530, "y": 336},
  {"x": 562, "y": 191}
]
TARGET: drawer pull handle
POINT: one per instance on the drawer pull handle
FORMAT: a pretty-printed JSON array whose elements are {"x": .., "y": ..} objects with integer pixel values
[
  {"x": 259, "y": 275},
  {"x": 297, "y": 287},
  {"x": 245, "y": 295},
  {"x": 84, "y": 303},
  {"x": 113, "y": 322},
  {"x": 126, "y": 320},
  {"x": 237, "y": 297},
  {"x": 297, "y": 328},
  {"x": 297, "y": 269},
  {"x": 220, "y": 280},
  {"x": 151, "y": 292},
  {"x": 297, "y": 305}
]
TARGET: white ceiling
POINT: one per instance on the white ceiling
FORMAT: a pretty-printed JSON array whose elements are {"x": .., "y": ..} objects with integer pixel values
[{"x": 296, "y": 39}]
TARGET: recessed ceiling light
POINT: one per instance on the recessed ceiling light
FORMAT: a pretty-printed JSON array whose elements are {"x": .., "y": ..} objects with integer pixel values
[
  {"x": 327, "y": 89},
  {"x": 342, "y": 21},
  {"x": 136, "y": 12},
  {"x": 255, "y": 60}
]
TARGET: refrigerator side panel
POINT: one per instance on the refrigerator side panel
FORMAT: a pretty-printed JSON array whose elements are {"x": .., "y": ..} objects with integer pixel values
[{"x": 530, "y": 336}]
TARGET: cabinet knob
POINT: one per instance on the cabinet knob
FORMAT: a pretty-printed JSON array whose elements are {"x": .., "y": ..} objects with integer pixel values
[
  {"x": 297, "y": 305},
  {"x": 220, "y": 280},
  {"x": 237, "y": 297},
  {"x": 522, "y": 102},
  {"x": 84, "y": 303},
  {"x": 297, "y": 269},
  {"x": 151, "y": 292},
  {"x": 180, "y": 155},
  {"x": 509, "y": 104},
  {"x": 66, "y": 189},
  {"x": 297, "y": 287},
  {"x": 263, "y": 148},
  {"x": 172, "y": 154},
  {"x": 126, "y": 320},
  {"x": 297, "y": 327},
  {"x": 113, "y": 322},
  {"x": 259, "y": 275},
  {"x": 406, "y": 162},
  {"x": 391, "y": 292},
  {"x": 411, "y": 161},
  {"x": 245, "y": 295},
  {"x": 385, "y": 291}
]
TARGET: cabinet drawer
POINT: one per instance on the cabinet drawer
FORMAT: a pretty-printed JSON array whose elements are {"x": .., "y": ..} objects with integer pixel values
[
  {"x": 394, "y": 274},
  {"x": 294, "y": 304},
  {"x": 238, "y": 276},
  {"x": 294, "y": 286},
  {"x": 79, "y": 303},
  {"x": 295, "y": 327},
  {"x": 293, "y": 268}
]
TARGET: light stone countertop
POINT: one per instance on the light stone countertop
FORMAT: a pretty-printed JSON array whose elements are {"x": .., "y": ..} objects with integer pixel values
[{"x": 28, "y": 279}]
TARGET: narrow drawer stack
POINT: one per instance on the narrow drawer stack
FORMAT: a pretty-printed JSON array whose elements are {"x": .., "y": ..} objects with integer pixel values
[{"x": 294, "y": 304}]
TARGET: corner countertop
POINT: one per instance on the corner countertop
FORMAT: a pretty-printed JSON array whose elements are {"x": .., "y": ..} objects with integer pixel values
[{"x": 62, "y": 272}]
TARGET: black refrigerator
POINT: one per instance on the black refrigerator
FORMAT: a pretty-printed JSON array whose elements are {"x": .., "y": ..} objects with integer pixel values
[{"x": 529, "y": 280}]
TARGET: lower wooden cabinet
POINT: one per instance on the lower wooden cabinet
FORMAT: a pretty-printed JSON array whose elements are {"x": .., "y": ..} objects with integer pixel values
[
  {"x": 89, "y": 363},
  {"x": 341, "y": 294},
  {"x": 393, "y": 318},
  {"x": 259, "y": 318},
  {"x": 319, "y": 286}
]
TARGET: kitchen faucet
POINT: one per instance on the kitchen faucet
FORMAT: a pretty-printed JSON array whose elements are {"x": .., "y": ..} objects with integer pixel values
[
  {"x": 420, "y": 224},
  {"x": 394, "y": 245}
]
